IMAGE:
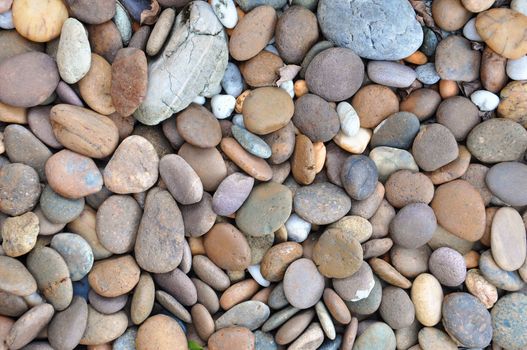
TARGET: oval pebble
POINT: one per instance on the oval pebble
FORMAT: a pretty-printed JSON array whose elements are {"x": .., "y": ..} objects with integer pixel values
[
  {"x": 507, "y": 181},
  {"x": 303, "y": 284},
  {"x": 321, "y": 203},
  {"x": 76, "y": 252}
]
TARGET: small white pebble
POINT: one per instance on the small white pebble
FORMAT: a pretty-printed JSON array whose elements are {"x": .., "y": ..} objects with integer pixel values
[
  {"x": 517, "y": 69},
  {"x": 289, "y": 86},
  {"x": 254, "y": 271},
  {"x": 225, "y": 10},
  {"x": 355, "y": 144},
  {"x": 519, "y": 6},
  {"x": 470, "y": 32},
  {"x": 485, "y": 100},
  {"x": 200, "y": 100},
  {"x": 297, "y": 228},
  {"x": 222, "y": 106},
  {"x": 238, "y": 120},
  {"x": 349, "y": 119}
]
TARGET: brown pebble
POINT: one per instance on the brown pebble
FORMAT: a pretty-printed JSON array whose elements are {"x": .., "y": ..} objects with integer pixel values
[
  {"x": 278, "y": 258},
  {"x": 203, "y": 321},
  {"x": 114, "y": 277},
  {"x": 238, "y": 293},
  {"x": 105, "y": 40},
  {"x": 95, "y": 86},
  {"x": 232, "y": 338},
  {"x": 336, "y": 306},
  {"x": 160, "y": 332},
  {"x": 374, "y": 103},
  {"x": 262, "y": 69},
  {"x": 252, "y": 165},
  {"x": 389, "y": 274},
  {"x": 227, "y": 247},
  {"x": 303, "y": 161}
]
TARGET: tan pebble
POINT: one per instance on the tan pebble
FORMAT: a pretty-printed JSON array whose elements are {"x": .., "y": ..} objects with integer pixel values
[
  {"x": 448, "y": 88},
  {"x": 232, "y": 338},
  {"x": 84, "y": 226},
  {"x": 203, "y": 321},
  {"x": 471, "y": 259},
  {"x": 262, "y": 69},
  {"x": 160, "y": 332},
  {"x": 11, "y": 114},
  {"x": 39, "y": 20},
  {"x": 103, "y": 328},
  {"x": 114, "y": 277},
  {"x": 227, "y": 247},
  {"x": 389, "y": 274},
  {"x": 336, "y": 306},
  {"x": 427, "y": 296},
  {"x": 290, "y": 330},
  {"x": 95, "y": 87},
  {"x": 303, "y": 161},
  {"x": 374, "y": 103},
  {"x": 278, "y": 258},
  {"x": 300, "y": 88},
  {"x": 356, "y": 226},
  {"x": 238, "y": 292},
  {"x": 482, "y": 289},
  {"x": 143, "y": 299},
  {"x": 417, "y": 58},
  {"x": 450, "y": 15},
  {"x": 320, "y": 156}
]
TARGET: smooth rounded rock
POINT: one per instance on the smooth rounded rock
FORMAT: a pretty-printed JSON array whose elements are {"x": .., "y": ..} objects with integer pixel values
[
  {"x": 114, "y": 277},
  {"x": 198, "y": 126},
  {"x": 336, "y": 254},
  {"x": 459, "y": 115},
  {"x": 374, "y": 103},
  {"x": 181, "y": 180},
  {"x": 321, "y": 203},
  {"x": 103, "y": 328},
  {"x": 27, "y": 327},
  {"x": 356, "y": 287},
  {"x": 377, "y": 336},
  {"x": 427, "y": 297},
  {"x": 303, "y": 284},
  {"x": 296, "y": 31},
  {"x": 230, "y": 337},
  {"x": 359, "y": 177},
  {"x": 58, "y": 209},
  {"x": 434, "y": 146},
  {"x": 448, "y": 266},
  {"x": 226, "y": 246},
  {"x": 508, "y": 245},
  {"x": 398, "y": 130},
  {"x": 315, "y": 118},
  {"x": 74, "y": 53},
  {"x": 207, "y": 163},
  {"x": 391, "y": 74},
  {"x": 67, "y": 327},
  {"x": 16, "y": 279},
  {"x": 76, "y": 252},
  {"x": 232, "y": 193},
  {"x": 455, "y": 59},
  {"x": 508, "y": 321},
  {"x": 507, "y": 280},
  {"x": 50, "y": 15},
  {"x": 506, "y": 181},
  {"x": 413, "y": 225},
  {"x": 267, "y": 109}
]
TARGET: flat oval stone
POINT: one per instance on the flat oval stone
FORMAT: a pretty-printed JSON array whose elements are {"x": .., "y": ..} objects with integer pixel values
[
  {"x": 84, "y": 131},
  {"x": 114, "y": 277},
  {"x": 448, "y": 266},
  {"x": 52, "y": 275},
  {"x": 467, "y": 320},
  {"x": 396, "y": 308},
  {"x": 278, "y": 258},
  {"x": 58, "y": 209},
  {"x": 27, "y": 327},
  {"x": 179, "y": 285},
  {"x": 434, "y": 146},
  {"x": 19, "y": 188},
  {"x": 374, "y": 103},
  {"x": 12, "y": 305},
  {"x": 455, "y": 59},
  {"x": 459, "y": 208},
  {"x": 207, "y": 163},
  {"x": 265, "y": 210},
  {"x": 74, "y": 53},
  {"x": 252, "y": 33},
  {"x": 72, "y": 175},
  {"x": 335, "y": 74},
  {"x": 117, "y": 223},
  {"x": 103, "y": 328},
  {"x": 490, "y": 141},
  {"x": 198, "y": 126},
  {"x": 296, "y": 31},
  {"x": 232, "y": 193},
  {"x": 39, "y": 124},
  {"x": 413, "y": 226},
  {"x": 143, "y": 298},
  {"x": 76, "y": 252},
  {"x": 315, "y": 118},
  {"x": 377, "y": 336},
  {"x": 51, "y": 16},
  {"x": 211, "y": 274},
  {"x": 160, "y": 31},
  {"x": 173, "y": 306},
  {"x": 92, "y": 12},
  {"x": 230, "y": 337},
  {"x": 508, "y": 239},
  {"x": 252, "y": 165},
  {"x": 337, "y": 254},
  {"x": 506, "y": 181},
  {"x": 21, "y": 146},
  {"x": 133, "y": 167},
  {"x": 405, "y": 187},
  {"x": 206, "y": 295},
  {"x": 16, "y": 279},
  {"x": 321, "y": 203},
  {"x": 239, "y": 292},
  {"x": 106, "y": 305},
  {"x": 303, "y": 167},
  {"x": 391, "y": 74},
  {"x": 203, "y": 321},
  {"x": 389, "y": 274},
  {"x": 508, "y": 321},
  {"x": 459, "y": 115},
  {"x": 198, "y": 217},
  {"x": 427, "y": 297},
  {"x": 129, "y": 80},
  {"x": 507, "y": 280},
  {"x": 251, "y": 143},
  {"x": 250, "y": 314},
  {"x": 67, "y": 327},
  {"x": 312, "y": 338},
  {"x": 158, "y": 246},
  {"x": 227, "y": 247},
  {"x": 357, "y": 286},
  {"x": 181, "y": 180},
  {"x": 303, "y": 284},
  {"x": 267, "y": 109},
  {"x": 359, "y": 177},
  {"x": 95, "y": 86},
  {"x": 19, "y": 87}
]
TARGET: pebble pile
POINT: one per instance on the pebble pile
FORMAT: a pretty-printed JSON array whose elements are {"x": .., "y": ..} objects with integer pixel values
[{"x": 263, "y": 174}]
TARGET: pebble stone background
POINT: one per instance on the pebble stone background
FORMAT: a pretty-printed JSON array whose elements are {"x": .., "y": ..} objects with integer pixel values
[{"x": 263, "y": 174}]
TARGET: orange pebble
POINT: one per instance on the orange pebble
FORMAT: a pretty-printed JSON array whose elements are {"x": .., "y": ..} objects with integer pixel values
[
  {"x": 417, "y": 58},
  {"x": 448, "y": 88},
  {"x": 196, "y": 245},
  {"x": 320, "y": 156},
  {"x": 263, "y": 295},
  {"x": 471, "y": 259},
  {"x": 240, "y": 99},
  {"x": 300, "y": 88}
]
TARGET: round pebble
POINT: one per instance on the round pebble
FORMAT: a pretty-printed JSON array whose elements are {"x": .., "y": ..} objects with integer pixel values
[
  {"x": 448, "y": 266},
  {"x": 303, "y": 284},
  {"x": 336, "y": 254},
  {"x": 413, "y": 226},
  {"x": 427, "y": 297},
  {"x": 359, "y": 177},
  {"x": 76, "y": 252},
  {"x": 374, "y": 103},
  {"x": 321, "y": 203},
  {"x": 506, "y": 181}
]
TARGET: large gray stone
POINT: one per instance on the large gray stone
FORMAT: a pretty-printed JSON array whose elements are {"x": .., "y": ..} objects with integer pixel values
[
  {"x": 373, "y": 29},
  {"x": 191, "y": 64}
]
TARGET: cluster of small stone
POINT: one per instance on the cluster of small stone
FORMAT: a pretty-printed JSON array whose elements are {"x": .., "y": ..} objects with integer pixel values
[{"x": 263, "y": 174}]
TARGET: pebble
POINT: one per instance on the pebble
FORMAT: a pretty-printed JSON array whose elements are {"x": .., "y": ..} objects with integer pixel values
[
  {"x": 123, "y": 23},
  {"x": 377, "y": 33},
  {"x": 398, "y": 130},
  {"x": 349, "y": 119},
  {"x": 355, "y": 144},
  {"x": 321, "y": 203},
  {"x": 92, "y": 12},
  {"x": 203, "y": 321},
  {"x": 39, "y": 124},
  {"x": 226, "y": 12},
  {"x": 129, "y": 80},
  {"x": 248, "y": 314},
  {"x": 328, "y": 77},
  {"x": 265, "y": 210},
  {"x": 315, "y": 118},
  {"x": 24, "y": 90},
  {"x": 410, "y": 262},
  {"x": 357, "y": 286},
  {"x": 161, "y": 222},
  {"x": 512, "y": 103},
  {"x": 16, "y": 279},
  {"x": 279, "y": 318},
  {"x": 67, "y": 327},
  {"x": 485, "y": 100},
  {"x": 58, "y": 209},
  {"x": 517, "y": 69},
  {"x": 278, "y": 258},
  {"x": 493, "y": 70},
  {"x": 267, "y": 109},
  {"x": 6, "y": 20},
  {"x": 377, "y": 336},
  {"x": 311, "y": 339},
  {"x": 389, "y": 274},
  {"x": 508, "y": 321},
  {"x": 303, "y": 284},
  {"x": 173, "y": 306},
  {"x": 126, "y": 341},
  {"x": 421, "y": 102},
  {"x": 508, "y": 239},
  {"x": 211, "y": 274},
  {"x": 355, "y": 226},
  {"x": 223, "y": 238},
  {"x": 133, "y": 167},
  {"x": 230, "y": 337},
  {"x": 506, "y": 181},
  {"x": 433, "y": 338},
  {"x": 74, "y": 53},
  {"x": 28, "y": 326},
  {"x": 114, "y": 277},
  {"x": 207, "y": 163},
  {"x": 359, "y": 177},
  {"x": 177, "y": 284},
  {"x": 434, "y": 147},
  {"x": 186, "y": 188},
  {"x": 455, "y": 59},
  {"x": 232, "y": 193},
  {"x": 391, "y": 74},
  {"x": 198, "y": 217},
  {"x": 51, "y": 15},
  {"x": 502, "y": 30},
  {"x": 19, "y": 234},
  {"x": 404, "y": 187},
  {"x": 143, "y": 299},
  {"x": 223, "y": 106},
  {"x": 105, "y": 305},
  {"x": 470, "y": 32},
  {"x": 459, "y": 115},
  {"x": 507, "y": 280},
  {"x": 232, "y": 81},
  {"x": 95, "y": 86},
  {"x": 52, "y": 276},
  {"x": 448, "y": 266},
  {"x": 262, "y": 69},
  {"x": 303, "y": 23},
  {"x": 427, "y": 73},
  {"x": 389, "y": 160},
  {"x": 427, "y": 297},
  {"x": 337, "y": 254},
  {"x": 374, "y": 103},
  {"x": 396, "y": 308},
  {"x": 76, "y": 252},
  {"x": 482, "y": 289},
  {"x": 467, "y": 320},
  {"x": 252, "y": 33},
  {"x": 367, "y": 207},
  {"x": 197, "y": 126},
  {"x": 450, "y": 15},
  {"x": 160, "y": 31},
  {"x": 413, "y": 226},
  {"x": 380, "y": 221},
  {"x": 160, "y": 332},
  {"x": 369, "y": 304},
  {"x": 251, "y": 143}
]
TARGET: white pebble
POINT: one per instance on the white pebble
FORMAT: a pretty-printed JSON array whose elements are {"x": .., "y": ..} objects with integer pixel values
[
  {"x": 222, "y": 106},
  {"x": 470, "y": 32},
  {"x": 354, "y": 144},
  {"x": 485, "y": 100},
  {"x": 349, "y": 119},
  {"x": 238, "y": 120},
  {"x": 232, "y": 81},
  {"x": 270, "y": 48},
  {"x": 6, "y": 20},
  {"x": 289, "y": 86},
  {"x": 254, "y": 271},
  {"x": 225, "y": 10},
  {"x": 200, "y": 100},
  {"x": 519, "y": 6},
  {"x": 517, "y": 69},
  {"x": 297, "y": 228}
]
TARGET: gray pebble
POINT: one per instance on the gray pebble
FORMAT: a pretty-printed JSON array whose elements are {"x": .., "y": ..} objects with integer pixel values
[
  {"x": 58, "y": 209},
  {"x": 232, "y": 81},
  {"x": 427, "y": 74},
  {"x": 251, "y": 143},
  {"x": 126, "y": 341},
  {"x": 76, "y": 252}
]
